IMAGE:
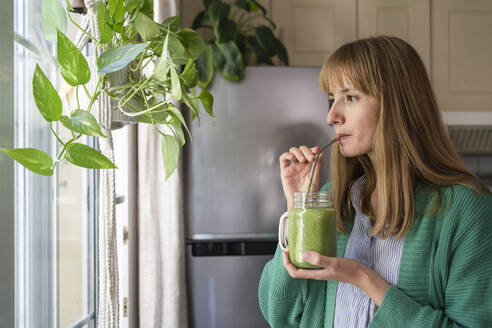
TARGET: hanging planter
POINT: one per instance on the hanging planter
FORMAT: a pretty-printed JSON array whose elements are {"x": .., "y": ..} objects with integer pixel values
[
  {"x": 118, "y": 118},
  {"x": 127, "y": 44}
]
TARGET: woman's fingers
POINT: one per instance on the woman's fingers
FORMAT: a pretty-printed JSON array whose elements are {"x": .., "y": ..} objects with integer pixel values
[
  {"x": 294, "y": 272},
  {"x": 298, "y": 154},
  {"x": 301, "y": 156},
  {"x": 304, "y": 153},
  {"x": 291, "y": 269},
  {"x": 307, "y": 152},
  {"x": 285, "y": 158},
  {"x": 316, "y": 149}
]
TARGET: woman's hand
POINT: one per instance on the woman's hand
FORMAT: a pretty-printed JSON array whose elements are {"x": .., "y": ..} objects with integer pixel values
[
  {"x": 341, "y": 269},
  {"x": 295, "y": 167}
]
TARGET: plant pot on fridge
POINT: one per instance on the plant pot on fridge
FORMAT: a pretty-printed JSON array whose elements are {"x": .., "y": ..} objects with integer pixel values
[{"x": 242, "y": 35}]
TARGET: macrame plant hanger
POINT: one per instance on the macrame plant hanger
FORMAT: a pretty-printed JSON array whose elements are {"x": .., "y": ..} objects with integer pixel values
[{"x": 108, "y": 305}]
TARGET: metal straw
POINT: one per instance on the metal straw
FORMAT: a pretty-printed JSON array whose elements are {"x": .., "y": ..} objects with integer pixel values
[{"x": 316, "y": 161}]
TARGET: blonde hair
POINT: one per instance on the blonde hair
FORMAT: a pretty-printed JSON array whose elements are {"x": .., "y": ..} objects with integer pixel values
[{"x": 411, "y": 143}]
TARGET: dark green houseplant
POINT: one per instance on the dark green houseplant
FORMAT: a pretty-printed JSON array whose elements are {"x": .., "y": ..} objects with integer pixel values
[
  {"x": 160, "y": 61},
  {"x": 235, "y": 41}
]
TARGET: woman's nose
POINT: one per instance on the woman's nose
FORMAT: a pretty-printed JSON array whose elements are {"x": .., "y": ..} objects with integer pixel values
[{"x": 335, "y": 116}]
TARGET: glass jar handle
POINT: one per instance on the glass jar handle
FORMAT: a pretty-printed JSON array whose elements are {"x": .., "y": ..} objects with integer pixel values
[{"x": 281, "y": 232}]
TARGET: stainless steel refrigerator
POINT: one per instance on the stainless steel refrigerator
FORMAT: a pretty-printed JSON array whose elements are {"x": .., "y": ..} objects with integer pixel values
[{"x": 233, "y": 193}]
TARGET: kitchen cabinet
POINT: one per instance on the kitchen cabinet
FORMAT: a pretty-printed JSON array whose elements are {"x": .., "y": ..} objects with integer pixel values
[
  {"x": 312, "y": 29},
  {"x": 407, "y": 19},
  {"x": 462, "y": 54}
]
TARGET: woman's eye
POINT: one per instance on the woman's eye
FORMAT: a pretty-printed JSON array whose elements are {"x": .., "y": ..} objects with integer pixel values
[{"x": 351, "y": 98}]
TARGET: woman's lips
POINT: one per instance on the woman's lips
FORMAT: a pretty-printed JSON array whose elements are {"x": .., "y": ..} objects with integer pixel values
[{"x": 342, "y": 137}]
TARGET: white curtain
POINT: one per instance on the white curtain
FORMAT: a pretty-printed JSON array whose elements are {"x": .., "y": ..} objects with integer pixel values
[{"x": 161, "y": 265}]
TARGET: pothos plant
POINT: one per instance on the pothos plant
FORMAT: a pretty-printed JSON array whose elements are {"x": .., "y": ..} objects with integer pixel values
[
  {"x": 235, "y": 41},
  {"x": 159, "y": 59}
]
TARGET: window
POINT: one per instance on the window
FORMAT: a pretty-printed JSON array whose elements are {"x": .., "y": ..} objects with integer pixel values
[{"x": 55, "y": 217}]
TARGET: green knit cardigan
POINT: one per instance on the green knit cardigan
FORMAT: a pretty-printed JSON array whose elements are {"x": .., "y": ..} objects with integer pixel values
[{"x": 445, "y": 276}]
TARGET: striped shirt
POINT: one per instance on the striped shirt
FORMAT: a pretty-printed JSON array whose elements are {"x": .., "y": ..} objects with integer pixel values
[{"x": 353, "y": 307}]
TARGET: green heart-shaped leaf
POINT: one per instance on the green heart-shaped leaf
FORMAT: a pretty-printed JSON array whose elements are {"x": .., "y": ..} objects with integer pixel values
[
  {"x": 179, "y": 59},
  {"x": 233, "y": 67},
  {"x": 130, "y": 32},
  {"x": 262, "y": 57},
  {"x": 117, "y": 10},
  {"x": 147, "y": 7},
  {"x": 241, "y": 40},
  {"x": 146, "y": 27},
  {"x": 161, "y": 69},
  {"x": 267, "y": 39},
  {"x": 225, "y": 30},
  {"x": 32, "y": 159},
  {"x": 85, "y": 156},
  {"x": 200, "y": 20},
  {"x": 104, "y": 23},
  {"x": 194, "y": 100},
  {"x": 175, "y": 46},
  {"x": 218, "y": 57},
  {"x": 208, "y": 101},
  {"x": 73, "y": 66},
  {"x": 193, "y": 42},
  {"x": 192, "y": 105},
  {"x": 155, "y": 117},
  {"x": 170, "y": 154},
  {"x": 175, "y": 84},
  {"x": 45, "y": 96},
  {"x": 82, "y": 121},
  {"x": 243, "y": 4},
  {"x": 258, "y": 5},
  {"x": 281, "y": 52},
  {"x": 177, "y": 114},
  {"x": 180, "y": 134},
  {"x": 172, "y": 23},
  {"x": 53, "y": 18},
  {"x": 190, "y": 74},
  {"x": 118, "y": 27},
  {"x": 114, "y": 59},
  {"x": 131, "y": 4},
  {"x": 253, "y": 6},
  {"x": 205, "y": 67},
  {"x": 218, "y": 11}
]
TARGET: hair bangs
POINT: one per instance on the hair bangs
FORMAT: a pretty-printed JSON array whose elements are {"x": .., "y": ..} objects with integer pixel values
[{"x": 344, "y": 68}]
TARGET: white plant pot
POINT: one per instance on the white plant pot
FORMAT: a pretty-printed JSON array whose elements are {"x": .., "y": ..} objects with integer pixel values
[{"x": 118, "y": 119}]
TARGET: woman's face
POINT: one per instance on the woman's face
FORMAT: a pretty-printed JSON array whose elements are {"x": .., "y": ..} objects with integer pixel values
[{"x": 354, "y": 115}]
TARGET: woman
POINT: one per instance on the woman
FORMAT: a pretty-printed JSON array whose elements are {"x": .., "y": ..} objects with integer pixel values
[{"x": 414, "y": 225}]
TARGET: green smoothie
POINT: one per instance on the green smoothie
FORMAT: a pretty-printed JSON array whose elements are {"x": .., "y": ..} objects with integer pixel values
[{"x": 311, "y": 229}]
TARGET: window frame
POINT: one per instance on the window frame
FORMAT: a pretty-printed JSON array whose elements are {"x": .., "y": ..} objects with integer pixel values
[
  {"x": 34, "y": 235},
  {"x": 7, "y": 223}
]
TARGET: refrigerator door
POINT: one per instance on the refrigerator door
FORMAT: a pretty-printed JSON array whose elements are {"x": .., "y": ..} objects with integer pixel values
[
  {"x": 232, "y": 169},
  {"x": 224, "y": 291}
]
